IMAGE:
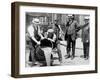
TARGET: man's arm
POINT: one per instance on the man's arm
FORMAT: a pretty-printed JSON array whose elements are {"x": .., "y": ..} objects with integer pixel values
[
  {"x": 39, "y": 32},
  {"x": 79, "y": 27},
  {"x": 54, "y": 38},
  {"x": 60, "y": 29},
  {"x": 31, "y": 33}
]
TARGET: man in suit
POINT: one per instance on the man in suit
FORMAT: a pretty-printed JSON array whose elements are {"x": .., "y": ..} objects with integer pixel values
[
  {"x": 71, "y": 36},
  {"x": 86, "y": 38}
]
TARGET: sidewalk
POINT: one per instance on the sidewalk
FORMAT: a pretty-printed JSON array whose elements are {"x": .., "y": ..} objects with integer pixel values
[{"x": 78, "y": 60}]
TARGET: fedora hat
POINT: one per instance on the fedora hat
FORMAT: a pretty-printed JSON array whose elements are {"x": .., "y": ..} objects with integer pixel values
[
  {"x": 35, "y": 20},
  {"x": 70, "y": 15}
]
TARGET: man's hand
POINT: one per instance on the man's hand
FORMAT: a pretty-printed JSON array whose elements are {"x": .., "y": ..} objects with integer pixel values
[
  {"x": 87, "y": 41},
  {"x": 42, "y": 38},
  {"x": 50, "y": 39},
  {"x": 58, "y": 42},
  {"x": 38, "y": 43}
]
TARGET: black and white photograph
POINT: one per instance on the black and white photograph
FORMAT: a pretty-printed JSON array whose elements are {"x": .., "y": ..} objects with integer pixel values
[
  {"x": 54, "y": 39},
  {"x": 51, "y": 39}
]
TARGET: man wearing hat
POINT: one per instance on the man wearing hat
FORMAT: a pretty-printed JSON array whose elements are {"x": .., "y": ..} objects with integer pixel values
[
  {"x": 58, "y": 31},
  {"x": 35, "y": 36},
  {"x": 71, "y": 35},
  {"x": 50, "y": 35},
  {"x": 86, "y": 38},
  {"x": 49, "y": 38}
]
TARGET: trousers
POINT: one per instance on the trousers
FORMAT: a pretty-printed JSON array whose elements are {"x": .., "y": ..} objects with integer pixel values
[
  {"x": 86, "y": 49},
  {"x": 70, "y": 43}
]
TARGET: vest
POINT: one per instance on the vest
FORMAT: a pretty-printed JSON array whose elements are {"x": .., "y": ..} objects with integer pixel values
[
  {"x": 37, "y": 37},
  {"x": 57, "y": 30},
  {"x": 72, "y": 28}
]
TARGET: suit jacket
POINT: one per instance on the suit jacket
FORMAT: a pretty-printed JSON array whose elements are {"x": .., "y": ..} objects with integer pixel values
[
  {"x": 72, "y": 29},
  {"x": 86, "y": 34}
]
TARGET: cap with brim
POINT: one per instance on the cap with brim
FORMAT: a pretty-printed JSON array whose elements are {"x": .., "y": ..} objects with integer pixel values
[
  {"x": 50, "y": 30},
  {"x": 86, "y": 18}
]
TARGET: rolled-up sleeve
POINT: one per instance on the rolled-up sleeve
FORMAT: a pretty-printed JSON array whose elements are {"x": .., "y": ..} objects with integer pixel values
[
  {"x": 54, "y": 37},
  {"x": 30, "y": 30}
]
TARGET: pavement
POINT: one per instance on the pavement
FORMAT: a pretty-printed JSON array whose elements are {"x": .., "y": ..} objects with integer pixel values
[{"x": 78, "y": 60}]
